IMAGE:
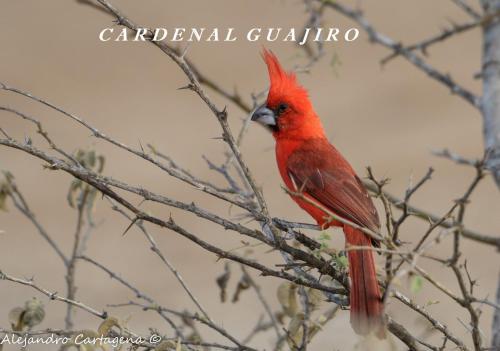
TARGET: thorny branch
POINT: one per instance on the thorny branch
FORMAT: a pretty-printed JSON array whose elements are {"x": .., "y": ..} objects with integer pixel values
[{"x": 102, "y": 183}]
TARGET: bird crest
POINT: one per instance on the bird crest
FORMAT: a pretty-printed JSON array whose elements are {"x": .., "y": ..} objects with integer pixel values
[{"x": 283, "y": 84}]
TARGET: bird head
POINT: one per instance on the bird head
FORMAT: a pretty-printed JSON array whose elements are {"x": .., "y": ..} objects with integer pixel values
[{"x": 287, "y": 111}]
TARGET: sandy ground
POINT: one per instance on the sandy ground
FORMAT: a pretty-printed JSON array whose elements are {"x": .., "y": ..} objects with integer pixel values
[{"x": 390, "y": 118}]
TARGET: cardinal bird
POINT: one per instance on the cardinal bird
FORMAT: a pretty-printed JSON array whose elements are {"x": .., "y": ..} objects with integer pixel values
[{"x": 312, "y": 168}]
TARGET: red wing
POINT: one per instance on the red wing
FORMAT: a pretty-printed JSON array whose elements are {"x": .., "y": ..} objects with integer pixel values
[{"x": 334, "y": 187}]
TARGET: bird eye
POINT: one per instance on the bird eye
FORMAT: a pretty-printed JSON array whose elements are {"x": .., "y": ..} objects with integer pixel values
[{"x": 281, "y": 108}]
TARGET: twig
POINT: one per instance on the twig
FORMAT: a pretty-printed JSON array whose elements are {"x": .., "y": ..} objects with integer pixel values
[
  {"x": 444, "y": 35},
  {"x": 378, "y": 38},
  {"x": 189, "y": 316},
  {"x": 139, "y": 294},
  {"x": 262, "y": 300},
  {"x": 434, "y": 322},
  {"x": 467, "y": 8},
  {"x": 466, "y": 293},
  {"x": 333, "y": 216},
  {"x": 98, "y": 134},
  {"x": 70, "y": 269},
  {"x": 445, "y": 153},
  {"x": 21, "y": 204},
  {"x": 53, "y": 295},
  {"x": 404, "y": 206},
  {"x": 426, "y": 215},
  {"x": 95, "y": 180},
  {"x": 195, "y": 86},
  {"x": 157, "y": 251}
]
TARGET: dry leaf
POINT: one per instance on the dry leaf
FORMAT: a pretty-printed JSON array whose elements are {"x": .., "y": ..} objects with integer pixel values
[
  {"x": 296, "y": 331},
  {"x": 316, "y": 298},
  {"x": 243, "y": 285},
  {"x": 34, "y": 312},
  {"x": 28, "y": 316},
  {"x": 222, "y": 281},
  {"x": 166, "y": 345},
  {"x": 4, "y": 193},
  {"x": 16, "y": 318},
  {"x": 287, "y": 297},
  {"x": 106, "y": 326},
  {"x": 83, "y": 346}
]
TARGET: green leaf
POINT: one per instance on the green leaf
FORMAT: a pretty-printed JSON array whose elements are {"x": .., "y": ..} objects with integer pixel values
[
  {"x": 342, "y": 261},
  {"x": 324, "y": 236},
  {"x": 416, "y": 284}
]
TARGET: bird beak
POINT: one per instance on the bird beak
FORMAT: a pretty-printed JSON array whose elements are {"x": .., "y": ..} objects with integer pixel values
[{"x": 264, "y": 116}]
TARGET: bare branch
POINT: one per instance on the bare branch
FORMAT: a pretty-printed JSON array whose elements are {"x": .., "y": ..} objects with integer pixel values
[
  {"x": 428, "y": 216},
  {"x": 77, "y": 246},
  {"x": 262, "y": 300},
  {"x": 53, "y": 295},
  {"x": 378, "y": 38},
  {"x": 467, "y": 8},
  {"x": 195, "y": 86},
  {"x": 444, "y": 35},
  {"x": 171, "y": 268},
  {"x": 21, "y": 204}
]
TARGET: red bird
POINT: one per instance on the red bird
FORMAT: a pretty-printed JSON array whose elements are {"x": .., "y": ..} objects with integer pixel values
[{"x": 309, "y": 164}]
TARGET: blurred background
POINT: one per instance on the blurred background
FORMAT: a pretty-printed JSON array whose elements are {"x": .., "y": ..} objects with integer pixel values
[{"x": 389, "y": 118}]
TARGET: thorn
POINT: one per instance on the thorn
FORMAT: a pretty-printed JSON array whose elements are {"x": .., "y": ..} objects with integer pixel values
[
  {"x": 184, "y": 52},
  {"x": 189, "y": 86},
  {"x": 170, "y": 219},
  {"x": 223, "y": 114},
  {"x": 130, "y": 226},
  {"x": 142, "y": 148},
  {"x": 119, "y": 21}
]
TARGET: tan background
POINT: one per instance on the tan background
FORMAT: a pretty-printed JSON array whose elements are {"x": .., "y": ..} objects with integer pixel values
[{"x": 390, "y": 118}]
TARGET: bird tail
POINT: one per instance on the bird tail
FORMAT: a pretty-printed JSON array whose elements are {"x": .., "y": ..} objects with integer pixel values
[{"x": 365, "y": 297}]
